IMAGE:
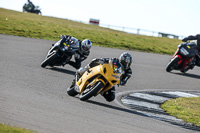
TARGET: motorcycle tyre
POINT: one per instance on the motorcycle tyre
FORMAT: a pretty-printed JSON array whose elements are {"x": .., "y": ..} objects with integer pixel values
[
  {"x": 71, "y": 91},
  {"x": 172, "y": 63},
  {"x": 39, "y": 13},
  {"x": 92, "y": 92},
  {"x": 48, "y": 60}
]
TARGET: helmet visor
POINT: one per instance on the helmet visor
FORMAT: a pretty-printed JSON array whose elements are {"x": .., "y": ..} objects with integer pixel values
[{"x": 85, "y": 48}]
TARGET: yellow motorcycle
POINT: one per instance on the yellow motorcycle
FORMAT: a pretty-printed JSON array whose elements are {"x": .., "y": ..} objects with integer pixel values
[{"x": 96, "y": 80}]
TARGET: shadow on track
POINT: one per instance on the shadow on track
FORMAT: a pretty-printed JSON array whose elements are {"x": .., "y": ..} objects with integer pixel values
[
  {"x": 188, "y": 75},
  {"x": 115, "y": 108},
  {"x": 63, "y": 70}
]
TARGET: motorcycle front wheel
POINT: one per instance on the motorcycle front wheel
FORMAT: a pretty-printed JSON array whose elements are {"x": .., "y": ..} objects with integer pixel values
[
  {"x": 92, "y": 91},
  {"x": 172, "y": 64},
  {"x": 49, "y": 59},
  {"x": 71, "y": 90},
  {"x": 39, "y": 13}
]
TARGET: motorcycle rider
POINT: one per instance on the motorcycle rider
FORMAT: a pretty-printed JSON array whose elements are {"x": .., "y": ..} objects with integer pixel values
[
  {"x": 196, "y": 37},
  {"x": 125, "y": 59},
  {"x": 82, "y": 53},
  {"x": 30, "y": 6}
]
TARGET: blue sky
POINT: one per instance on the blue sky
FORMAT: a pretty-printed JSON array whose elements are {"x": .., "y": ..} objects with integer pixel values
[{"x": 180, "y": 17}]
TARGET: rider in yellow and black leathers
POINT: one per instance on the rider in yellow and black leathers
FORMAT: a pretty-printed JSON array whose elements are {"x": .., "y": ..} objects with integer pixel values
[{"x": 125, "y": 59}]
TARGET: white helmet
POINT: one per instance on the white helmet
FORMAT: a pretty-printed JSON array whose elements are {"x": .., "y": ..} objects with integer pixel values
[{"x": 86, "y": 45}]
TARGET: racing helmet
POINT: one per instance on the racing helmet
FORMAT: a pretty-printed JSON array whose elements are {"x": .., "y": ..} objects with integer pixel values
[
  {"x": 86, "y": 45},
  {"x": 126, "y": 60}
]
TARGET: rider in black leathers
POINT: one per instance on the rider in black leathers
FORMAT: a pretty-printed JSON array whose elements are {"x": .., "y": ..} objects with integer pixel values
[
  {"x": 197, "y": 37},
  {"x": 32, "y": 7},
  {"x": 125, "y": 59},
  {"x": 82, "y": 53}
]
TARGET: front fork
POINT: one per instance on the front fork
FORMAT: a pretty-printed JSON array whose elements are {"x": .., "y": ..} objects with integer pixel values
[
  {"x": 53, "y": 48},
  {"x": 77, "y": 89},
  {"x": 176, "y": 53},
  {"x": 179, "y": 56}
]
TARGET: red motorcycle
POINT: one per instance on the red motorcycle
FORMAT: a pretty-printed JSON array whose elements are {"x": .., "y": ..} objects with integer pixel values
[{"x": 184, "y": 58}]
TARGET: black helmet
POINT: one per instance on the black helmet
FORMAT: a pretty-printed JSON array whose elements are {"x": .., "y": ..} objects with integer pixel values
[
  {"x": 126, "y": 60},
  {"x": 86, "y": 45}
]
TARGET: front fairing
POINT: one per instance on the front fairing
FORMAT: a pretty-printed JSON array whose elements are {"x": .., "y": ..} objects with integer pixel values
[
  {"x": 71, "y": 48},
  {"x": 54, "y": 47},
  {"x": 103, "y": 73},
  {"x": 64, "y": 48},
  {"x": 188, "y": 49}
]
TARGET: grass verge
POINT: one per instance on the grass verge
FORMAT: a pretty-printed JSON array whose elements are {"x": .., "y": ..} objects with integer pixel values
[
  {"x": 43, "y": 27},
  {"x": 187, "y": 109},
  {"x": 10, "y": 129}
]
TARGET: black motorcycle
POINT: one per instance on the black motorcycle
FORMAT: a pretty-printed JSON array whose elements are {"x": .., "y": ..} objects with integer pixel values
[
  {"x": 60, "y": 53},
  {"x": 36, "y": 10}
]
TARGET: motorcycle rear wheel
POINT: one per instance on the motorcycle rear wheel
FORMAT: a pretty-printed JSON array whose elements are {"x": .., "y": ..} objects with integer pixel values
[
  {"x": 49, "y": 59},
  {"x": 172, "y": 64},
  {"x": 88, "y": 93}
]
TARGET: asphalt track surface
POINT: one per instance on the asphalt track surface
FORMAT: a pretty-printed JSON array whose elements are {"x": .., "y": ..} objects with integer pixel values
[{"x": 35, "y": 98}]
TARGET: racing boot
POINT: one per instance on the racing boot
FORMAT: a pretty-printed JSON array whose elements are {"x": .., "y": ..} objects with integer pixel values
[{"x": 110, "y": 94}]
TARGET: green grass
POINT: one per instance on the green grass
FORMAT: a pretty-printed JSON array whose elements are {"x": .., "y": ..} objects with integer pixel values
[
  {"x": 9, "y": 129},
  {"x": 43, "y": 27},
  {"x": 187, "y": 109}
]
